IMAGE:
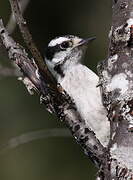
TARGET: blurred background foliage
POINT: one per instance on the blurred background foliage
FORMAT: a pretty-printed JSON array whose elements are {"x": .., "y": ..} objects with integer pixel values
[{"x": 51, "y": 158}]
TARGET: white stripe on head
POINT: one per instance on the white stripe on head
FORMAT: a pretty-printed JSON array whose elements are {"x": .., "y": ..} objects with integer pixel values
[{"x": 56, "y": 41}]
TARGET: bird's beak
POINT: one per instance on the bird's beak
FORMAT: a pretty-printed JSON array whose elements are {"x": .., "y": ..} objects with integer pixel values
[{"x": 85, "y": 41}]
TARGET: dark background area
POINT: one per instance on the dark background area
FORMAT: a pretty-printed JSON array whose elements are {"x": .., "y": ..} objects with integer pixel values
[{"x": 51, "y": 158}]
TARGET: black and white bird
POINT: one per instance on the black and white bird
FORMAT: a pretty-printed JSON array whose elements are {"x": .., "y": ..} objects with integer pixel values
[{"x": 64, "y": 57}]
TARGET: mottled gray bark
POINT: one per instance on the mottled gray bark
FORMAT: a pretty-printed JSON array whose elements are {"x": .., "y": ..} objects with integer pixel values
[
  {"x": 116, "y": 77},
  {"x": 12, "y": 21}
]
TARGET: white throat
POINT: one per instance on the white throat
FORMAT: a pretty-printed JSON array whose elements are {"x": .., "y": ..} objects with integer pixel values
[{"x": 59, "y": 66}]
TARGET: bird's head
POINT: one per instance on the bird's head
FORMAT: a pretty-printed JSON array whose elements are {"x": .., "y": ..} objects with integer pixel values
[{"x": 64, "y": 52}]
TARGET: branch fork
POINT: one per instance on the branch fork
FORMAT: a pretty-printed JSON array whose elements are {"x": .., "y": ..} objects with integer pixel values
[{"x": 36, "y": 76}]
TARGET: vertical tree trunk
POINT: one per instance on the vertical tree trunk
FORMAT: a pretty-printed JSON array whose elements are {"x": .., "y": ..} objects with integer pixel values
[{"x": 116, "y": 77}]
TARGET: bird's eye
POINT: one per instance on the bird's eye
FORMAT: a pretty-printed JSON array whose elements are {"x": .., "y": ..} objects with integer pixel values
[{"x": 66, "y": 44}]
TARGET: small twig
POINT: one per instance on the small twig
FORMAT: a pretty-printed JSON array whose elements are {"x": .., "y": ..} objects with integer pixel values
[
  {"x": 30, "y": 43},
  {"x": 11, "y": 25},
  {"x": 32, "y": 136},
  {"x": 25, "y": 33},
  {"x": 8, "y": 72}
]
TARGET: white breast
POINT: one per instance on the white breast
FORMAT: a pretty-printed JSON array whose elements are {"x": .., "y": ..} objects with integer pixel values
[{"x": 80, "y": 83}]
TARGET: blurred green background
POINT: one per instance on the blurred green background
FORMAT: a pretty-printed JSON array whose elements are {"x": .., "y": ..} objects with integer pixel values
[{"x": 50, "y": 158}]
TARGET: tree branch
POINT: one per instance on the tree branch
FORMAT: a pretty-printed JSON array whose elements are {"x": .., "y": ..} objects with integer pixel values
[
  {"x": 12, "y": 21},
  {"x": 8, "y": 72},
  {"x": 32, "y": 136},
  {"x": 55, "y": 100},
  {"x": 43, "y": 70}
]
